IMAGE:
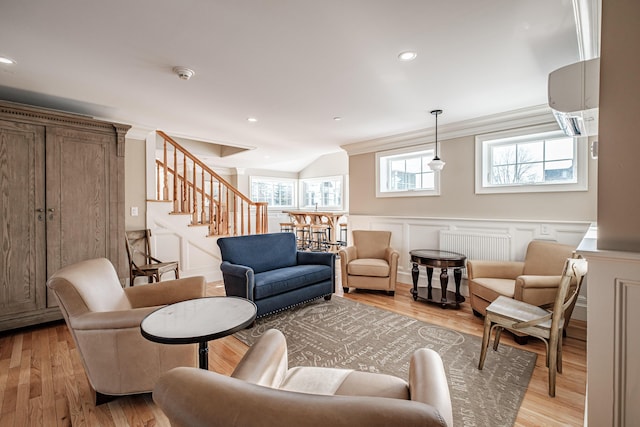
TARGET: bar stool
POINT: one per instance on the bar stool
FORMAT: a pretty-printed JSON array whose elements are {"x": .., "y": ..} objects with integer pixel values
[
  {"x": 286, "y": 227},
  {"x": 319, "y": 237},
  {"x": 343, "y": 234},
  {"x": 303, "y": 235}
]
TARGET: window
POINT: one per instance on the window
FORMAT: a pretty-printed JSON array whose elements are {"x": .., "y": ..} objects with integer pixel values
[
  {"x": 325, "y": 193},
  {"x": 277, "y": 192},
  {"x": 406, "y": 172},
  {"x": 534, "y": 159}
]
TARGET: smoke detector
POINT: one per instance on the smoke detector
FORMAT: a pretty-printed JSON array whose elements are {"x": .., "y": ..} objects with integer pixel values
[{"x": 183, "y": 73}]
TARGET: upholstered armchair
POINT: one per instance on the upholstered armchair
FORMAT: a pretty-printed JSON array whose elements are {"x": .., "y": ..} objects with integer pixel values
[
  {"x": 534, "y": 280},
  {"x": 370, "y": 263},
  {"x": 262, "y": 391},
  {"x": 104, "y": 320}
]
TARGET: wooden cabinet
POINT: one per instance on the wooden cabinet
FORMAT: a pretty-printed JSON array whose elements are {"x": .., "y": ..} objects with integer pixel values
[{"x": 61, "y": 201}]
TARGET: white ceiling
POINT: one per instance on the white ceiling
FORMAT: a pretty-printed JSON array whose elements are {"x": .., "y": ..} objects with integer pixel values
[{"x": 292, "y": 64}]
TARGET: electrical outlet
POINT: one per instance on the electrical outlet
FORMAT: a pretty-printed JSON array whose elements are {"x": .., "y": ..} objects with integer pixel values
[
  {"x": 134, "y": 211},
  {"x": 544, "y": 229}
]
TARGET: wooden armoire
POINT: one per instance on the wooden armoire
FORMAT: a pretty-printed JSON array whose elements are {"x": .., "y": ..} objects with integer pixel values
[{"x": 61, "y": 201}]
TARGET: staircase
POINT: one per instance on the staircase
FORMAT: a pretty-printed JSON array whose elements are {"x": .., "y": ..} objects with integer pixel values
[
  {"x": 193, "y": 206},
  {"x": 198, "y": 191}
]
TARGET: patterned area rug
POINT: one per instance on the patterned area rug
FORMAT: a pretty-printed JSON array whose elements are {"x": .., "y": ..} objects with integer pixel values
[{"x": 344, "y": 333}]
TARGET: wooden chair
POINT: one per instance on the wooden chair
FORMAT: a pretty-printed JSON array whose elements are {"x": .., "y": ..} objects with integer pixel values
[
  {"x": 508, "y": 313},
  {"x": 141, "y": 262}
]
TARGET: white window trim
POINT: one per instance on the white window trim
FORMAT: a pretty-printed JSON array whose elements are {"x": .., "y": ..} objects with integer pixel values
[
  {"x": 277, "y": 179},
  {"x": 581, "y": 164},
  {"x": 301, "y": 182},
  {"x": 407, "y": 193}
]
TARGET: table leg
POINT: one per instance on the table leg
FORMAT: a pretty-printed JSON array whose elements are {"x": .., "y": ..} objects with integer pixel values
[
  {"x": 444, "y": 282},
  {"x": 204, "y": 355},
  {"x": 415, "y": 273},
  {"x": 429, "y": 277},
  {"x": 457, "y": 275}
]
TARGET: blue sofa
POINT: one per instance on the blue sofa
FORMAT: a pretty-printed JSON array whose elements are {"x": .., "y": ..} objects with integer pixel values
[{"x": 269, "y": 270}]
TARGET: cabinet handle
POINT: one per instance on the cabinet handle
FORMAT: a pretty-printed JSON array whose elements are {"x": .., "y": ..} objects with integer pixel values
[
  {"x": 51, "y": 210},
  {"x": 40, "y": 210}
]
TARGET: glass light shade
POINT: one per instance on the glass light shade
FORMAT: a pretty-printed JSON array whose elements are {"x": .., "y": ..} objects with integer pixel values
[{"x": 436, "y": 164}]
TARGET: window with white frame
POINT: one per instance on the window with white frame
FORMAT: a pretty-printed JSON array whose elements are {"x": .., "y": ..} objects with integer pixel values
[
  {"x": 533, "y": 159},
  {"x": 322, "y": 193},
  {"x": 277, "y": 192},
  {"x": 406, "y": 172}
]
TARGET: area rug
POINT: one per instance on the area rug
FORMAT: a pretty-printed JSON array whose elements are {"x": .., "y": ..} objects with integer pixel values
[{"x": 346, "y": 334}]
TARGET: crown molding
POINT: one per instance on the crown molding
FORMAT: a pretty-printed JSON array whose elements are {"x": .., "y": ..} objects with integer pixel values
[{"x": 530, "y": 116}]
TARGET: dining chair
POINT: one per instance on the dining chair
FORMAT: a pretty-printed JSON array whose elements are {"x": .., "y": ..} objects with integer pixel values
[
  {"x": 538, "y": 322},
  {"x": 142, "y": 262}
]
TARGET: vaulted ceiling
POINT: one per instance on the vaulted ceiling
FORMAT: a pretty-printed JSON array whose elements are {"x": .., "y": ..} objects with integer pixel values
[{"x": 293, "y": 65}]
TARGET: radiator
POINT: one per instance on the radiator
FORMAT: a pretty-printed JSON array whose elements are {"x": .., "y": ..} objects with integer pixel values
[{"x": 489, "y": 246}]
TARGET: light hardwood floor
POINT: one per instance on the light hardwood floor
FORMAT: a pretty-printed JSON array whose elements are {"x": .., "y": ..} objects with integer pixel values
[{"x": 42, "y": 381}]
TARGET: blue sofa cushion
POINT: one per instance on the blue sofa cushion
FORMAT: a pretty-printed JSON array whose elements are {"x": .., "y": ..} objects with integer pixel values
[
  {"x": 285, "y": 279},
  {"x": 261, "y": 252}
]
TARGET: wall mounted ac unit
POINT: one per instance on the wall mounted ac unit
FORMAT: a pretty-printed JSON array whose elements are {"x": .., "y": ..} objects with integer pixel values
[{"x": 574, "y": 93}]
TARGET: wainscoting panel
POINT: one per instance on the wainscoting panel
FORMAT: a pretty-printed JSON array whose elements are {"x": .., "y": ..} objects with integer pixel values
[
  {"x": 424, "y": 233},
  {"x": 613, "y": 343}
]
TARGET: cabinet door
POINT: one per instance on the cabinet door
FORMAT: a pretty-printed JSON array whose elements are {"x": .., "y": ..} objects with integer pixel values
[
  {"x": 78, "y": 203},
  {"x": 22, "y": 195}
]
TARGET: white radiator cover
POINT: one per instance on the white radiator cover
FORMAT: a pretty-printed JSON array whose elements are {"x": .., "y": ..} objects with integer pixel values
[{"x": 477, "y": 245}]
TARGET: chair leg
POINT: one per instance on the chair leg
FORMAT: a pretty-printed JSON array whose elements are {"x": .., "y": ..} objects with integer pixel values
[
  {"x": 496, "y": 340},
  {"x": 560, "y": 353},
  {"x": 103, "y": 398},
  {"x": 486, "y": 335},
  {"x": 553, "y": 359}
]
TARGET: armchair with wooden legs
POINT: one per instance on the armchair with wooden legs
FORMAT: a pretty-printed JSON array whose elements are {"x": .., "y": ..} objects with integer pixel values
[{"x": 508, "y": 313}]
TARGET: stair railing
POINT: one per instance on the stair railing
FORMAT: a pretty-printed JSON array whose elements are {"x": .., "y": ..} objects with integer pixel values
[{"x": 196, "y": 190}]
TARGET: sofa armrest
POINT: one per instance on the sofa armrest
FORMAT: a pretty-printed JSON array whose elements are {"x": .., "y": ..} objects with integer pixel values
[
  {"x": 167, "y": 292},
  {"x": 266, "y": 362},
  {"x": 428, "y": 382},
  {"x": 119, "y": 319},
  {"x": 494, "y": 269},
  {"x": 239, "y": 280},
  {"x": 321, "y": 258}
]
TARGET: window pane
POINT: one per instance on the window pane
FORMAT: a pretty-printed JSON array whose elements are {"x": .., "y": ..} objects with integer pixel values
[
  {"x": 503, "y": 155},
  {"x": 531, "y": 162},
  {"x": 530, "y": 152},
  {"x": 322, "y": 192},
  {"x": 275, "y": 193},
  {"x": 557, "y": 149},
  {"x": 407, "y": 171}
]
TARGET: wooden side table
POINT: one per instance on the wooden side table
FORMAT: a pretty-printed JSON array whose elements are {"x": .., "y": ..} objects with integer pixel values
[{"x": 433, "y": 258}]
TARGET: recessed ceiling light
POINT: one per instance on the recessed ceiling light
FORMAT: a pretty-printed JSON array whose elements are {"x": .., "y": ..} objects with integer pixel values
[
  {"x": 337, "y": 118},
  {"x": 5, "y": 60},
  {"x": 407, "y": 56},
  {"x": 252, "y": 119}
]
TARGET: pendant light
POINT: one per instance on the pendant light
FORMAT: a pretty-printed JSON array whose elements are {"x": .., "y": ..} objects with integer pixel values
[{"x": 436, "y": 164}]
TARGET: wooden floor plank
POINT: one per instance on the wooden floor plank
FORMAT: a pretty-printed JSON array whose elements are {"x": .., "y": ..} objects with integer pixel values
[{"x": 42, "y": 378}]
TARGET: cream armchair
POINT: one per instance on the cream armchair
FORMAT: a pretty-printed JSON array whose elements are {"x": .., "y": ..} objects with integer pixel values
[
  {"x": 534, "y": 280},
  {"x": 104, "y": 320},
  {"x": 262, "y": 391},
  {"x": 370, "y": 263}
]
